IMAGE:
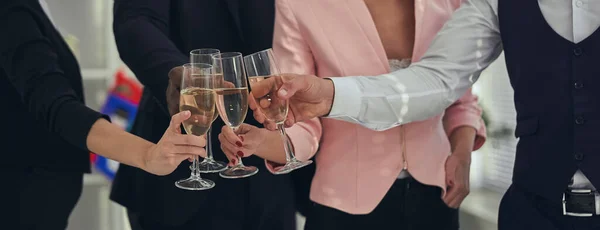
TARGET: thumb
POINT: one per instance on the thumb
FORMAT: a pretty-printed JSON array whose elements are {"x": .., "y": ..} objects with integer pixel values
[
  {"x": 291, "y": 85},
  {"x": 177, "y": 119},
  {"x": 243, "y": 129}
]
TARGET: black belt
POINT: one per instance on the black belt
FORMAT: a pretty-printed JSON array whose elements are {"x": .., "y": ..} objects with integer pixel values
[{"x": 579, "y": 202}]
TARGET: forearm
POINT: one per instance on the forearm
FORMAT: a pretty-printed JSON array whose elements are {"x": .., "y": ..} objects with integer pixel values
[
  {"x": 113, "y": 142},
  {"x": 272, "y": 147},
  {"x": 462, "y": 140},
  {"x": 141, "y": 31},
  {"x": 465, "y": 46}
]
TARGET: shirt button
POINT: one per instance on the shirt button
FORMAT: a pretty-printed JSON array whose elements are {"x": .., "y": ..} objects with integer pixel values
[
  {"x": 578, "y": 85},
  {"x": 578, "y": 3},
  {"x": 577, "y": 51},
  {"x": 579, "y": 120},
  {"x": 578, "y": 156}
]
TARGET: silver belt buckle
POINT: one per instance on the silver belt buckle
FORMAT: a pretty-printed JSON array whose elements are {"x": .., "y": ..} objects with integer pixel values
[{"x": 564, "y": 204}]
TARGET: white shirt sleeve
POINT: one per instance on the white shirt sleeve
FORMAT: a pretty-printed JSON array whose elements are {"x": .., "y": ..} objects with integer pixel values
[{"x": 467, "y": 44}]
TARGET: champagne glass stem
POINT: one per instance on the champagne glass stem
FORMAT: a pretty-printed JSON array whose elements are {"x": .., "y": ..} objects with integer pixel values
[
  {"x": 196, "y": 173},
  {"x": 287, "y": 145},
  {"x": 239, "y": 159},
  {"x": 196, "y": 167},
  {"x": 209, "y": 154}
]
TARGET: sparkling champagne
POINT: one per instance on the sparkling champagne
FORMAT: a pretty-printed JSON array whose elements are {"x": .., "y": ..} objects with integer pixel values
[
  {"x": 201, "y": 103},
  {"x": 232, "y": 104}
]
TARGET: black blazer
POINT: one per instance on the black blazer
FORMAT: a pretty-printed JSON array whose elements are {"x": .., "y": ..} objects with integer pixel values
[
  {"x": 41, "y": 92},
  {"x": 153, "y": 36}
]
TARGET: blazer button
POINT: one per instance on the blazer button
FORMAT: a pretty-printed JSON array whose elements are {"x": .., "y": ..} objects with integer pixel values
[
  {"x": 578, "y": 156},
  {"x": 579, "y": 120},
  {"x": 578, "y": 85},
  {"x": 577, "y": 52}
]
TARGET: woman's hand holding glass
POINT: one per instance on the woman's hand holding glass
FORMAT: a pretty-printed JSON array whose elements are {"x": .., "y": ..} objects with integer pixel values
[
  {"x": 173, "y": 148},
  {"x": 198, "y": 98},
  {"x": 232, "y": 103},
  {"x": 242, "y": 142}
]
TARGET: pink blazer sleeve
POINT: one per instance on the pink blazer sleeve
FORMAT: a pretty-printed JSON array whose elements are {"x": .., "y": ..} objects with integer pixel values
[
  {"x": 466, "y": 112},
  {"x": 294, "y": 56}
]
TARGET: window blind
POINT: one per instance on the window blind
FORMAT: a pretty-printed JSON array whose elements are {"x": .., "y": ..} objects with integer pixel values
[{"x": 500, "y": 109}]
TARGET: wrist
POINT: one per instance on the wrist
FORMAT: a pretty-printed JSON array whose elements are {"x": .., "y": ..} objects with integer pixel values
[
  {"x": 462, "y": 154},
  {"x": 144, "y": 156}
]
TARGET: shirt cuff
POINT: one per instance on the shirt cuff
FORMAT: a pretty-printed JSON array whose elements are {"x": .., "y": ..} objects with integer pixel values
[{"x": 347, "y": 100}]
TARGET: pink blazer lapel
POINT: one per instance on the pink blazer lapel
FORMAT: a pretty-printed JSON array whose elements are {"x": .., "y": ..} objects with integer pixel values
[
  {"x": 363, "y": 18},
  {"x": 419, "y": 12}
]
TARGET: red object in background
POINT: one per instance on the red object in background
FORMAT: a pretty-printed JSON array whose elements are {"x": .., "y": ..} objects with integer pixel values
[{"x": 124, "y": 88}]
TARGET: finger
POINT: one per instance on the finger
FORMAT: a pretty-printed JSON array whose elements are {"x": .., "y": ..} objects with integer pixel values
[
  {"x": 191, "y": 140},
  {"x": 173, "y": 101},
  {"x": 291, "y": 85},
  {"x": 227, "y": 135},
  {"x": 224, "y": 142},
  {"x": 177, "y": 119},
  {"x": 259, "y": 116},
  {"x": 455, "y": 203},
  {"x": 264, "y": 87},
  {"x": 181, "y": 157},
  {"x": 451, "y": 193},
  {"x": 270, "y": 125},
  {"x": 264, "y": 103},
  {"x": 229, "y": 154},
  {"x": 290, "y": 120},
  {"x": 188, "y": 150},
  {"x": 176, "y": 74},
  {"x": 252, "y": 102}
]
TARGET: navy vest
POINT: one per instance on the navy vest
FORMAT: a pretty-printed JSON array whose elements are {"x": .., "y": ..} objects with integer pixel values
[{"x": 557, "y": 98}]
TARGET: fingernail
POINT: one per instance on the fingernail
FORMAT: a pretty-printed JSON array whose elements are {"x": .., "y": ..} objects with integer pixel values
[
  {"x": 240, "y": 153},
  {"x": 241, "y": 138},
  {"x": 233, "y": 161},
  {"x": 283, "y": 92},
  {"x": 239, "y": 144}
]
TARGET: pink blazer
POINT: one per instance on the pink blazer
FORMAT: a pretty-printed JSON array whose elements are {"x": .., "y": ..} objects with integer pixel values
[{"x": 357, "y": 166}]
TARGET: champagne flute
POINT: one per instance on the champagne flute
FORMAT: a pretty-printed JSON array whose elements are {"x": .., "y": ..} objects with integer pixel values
[
  {"x": 198, "y": 97},
  {"x": 209, "y": 164},
  {"x": 232, "y": 102},
  {"x": 260, "y": 66}
]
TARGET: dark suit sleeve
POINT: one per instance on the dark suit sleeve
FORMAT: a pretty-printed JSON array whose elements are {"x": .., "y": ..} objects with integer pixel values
[
  {"x": 31, "y": 63},
  {"x": 141, "y": 29}
]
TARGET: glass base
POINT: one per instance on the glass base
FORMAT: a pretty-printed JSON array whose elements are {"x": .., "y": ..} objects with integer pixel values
[
  {"x": 238, "y": 172},
  {"x": 211, "y": 166},
  {"x": 195, "y": 183},
  {"x": 291, "y": 166}
]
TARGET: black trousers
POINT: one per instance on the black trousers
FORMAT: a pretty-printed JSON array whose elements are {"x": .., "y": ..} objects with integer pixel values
[
  {"x": 47, "y": 198},
  {"x": 408, "y": 205},
  {"x": 521, "y": 210},
  {"x": 219, "y": 214}
]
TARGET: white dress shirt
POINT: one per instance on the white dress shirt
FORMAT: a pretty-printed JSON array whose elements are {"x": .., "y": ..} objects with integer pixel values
[{"x": 466, "y": 45}]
